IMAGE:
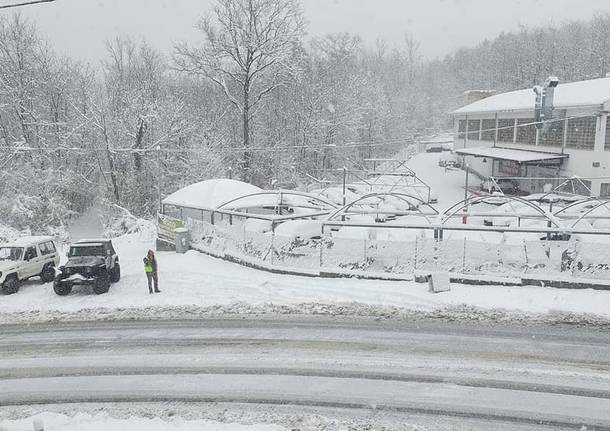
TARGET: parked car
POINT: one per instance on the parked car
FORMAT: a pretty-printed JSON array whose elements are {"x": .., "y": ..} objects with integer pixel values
[
  {"x": 91, "y": 262},
  {"x": 449, "y": 161},
  {"x": 32, "y": 256},
  {"x": 437, "y": 149}
]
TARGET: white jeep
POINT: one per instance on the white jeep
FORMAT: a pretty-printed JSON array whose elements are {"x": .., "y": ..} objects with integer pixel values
[{"x": 32, "y": 256}]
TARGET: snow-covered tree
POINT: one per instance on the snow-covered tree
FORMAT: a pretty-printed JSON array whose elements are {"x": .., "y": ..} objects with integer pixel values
[{"x": 245, "y": 50}]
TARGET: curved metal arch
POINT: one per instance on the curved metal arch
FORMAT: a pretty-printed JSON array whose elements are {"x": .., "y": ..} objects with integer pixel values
[
  {"x": 401, "y": 196},
  {"x": 586, "y": 213},
  {"x": 580, "y": 202},
  {"x": 453, "y": 210},
  {"x": 279, "y": 192}
]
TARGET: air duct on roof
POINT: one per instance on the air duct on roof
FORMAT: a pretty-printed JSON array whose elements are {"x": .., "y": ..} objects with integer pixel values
[{"x": 545, "y": 96}]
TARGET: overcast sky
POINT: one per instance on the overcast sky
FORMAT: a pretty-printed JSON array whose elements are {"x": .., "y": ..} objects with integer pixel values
[{"x": 80, "y": 27}]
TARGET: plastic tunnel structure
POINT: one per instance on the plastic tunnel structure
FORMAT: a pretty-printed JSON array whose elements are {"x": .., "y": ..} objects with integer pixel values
[
  {"x": 402, "y": 196},
  {"x": 601, "y": 202},
  {"x": 460, "y": 206},
  {"x": 276, "y": 197}
]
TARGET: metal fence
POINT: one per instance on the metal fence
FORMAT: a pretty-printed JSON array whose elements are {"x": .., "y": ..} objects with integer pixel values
[{"x": 585, "y": 255}]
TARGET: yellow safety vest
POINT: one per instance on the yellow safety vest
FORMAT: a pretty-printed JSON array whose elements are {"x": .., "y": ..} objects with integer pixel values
[{"x": 148, "y": 268}]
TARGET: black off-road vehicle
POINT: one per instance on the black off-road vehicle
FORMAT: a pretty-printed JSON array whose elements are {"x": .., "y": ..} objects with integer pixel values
[{"x": 90, "y": 262}]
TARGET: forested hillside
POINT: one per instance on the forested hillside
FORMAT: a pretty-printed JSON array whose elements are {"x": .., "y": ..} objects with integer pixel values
[{"x": 256, "y": 99}]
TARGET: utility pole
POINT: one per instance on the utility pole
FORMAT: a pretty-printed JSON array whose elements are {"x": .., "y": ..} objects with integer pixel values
[
  {"x": 465, "y": 216},
  {"x": 466, "y": 183},
  {"x": 344, "y": 197}
]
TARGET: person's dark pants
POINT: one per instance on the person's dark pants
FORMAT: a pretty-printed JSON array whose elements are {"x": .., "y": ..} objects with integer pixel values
[{"x": 152, "y": 276}]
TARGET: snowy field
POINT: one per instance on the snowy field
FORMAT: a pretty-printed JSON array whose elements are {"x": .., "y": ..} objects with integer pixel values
[{"x": 194, "y": 282}]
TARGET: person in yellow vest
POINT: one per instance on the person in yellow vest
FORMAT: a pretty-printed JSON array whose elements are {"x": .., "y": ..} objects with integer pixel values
[{"x": 151, "y": 270}]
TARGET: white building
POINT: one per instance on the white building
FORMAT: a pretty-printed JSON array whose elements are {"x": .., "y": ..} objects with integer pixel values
[{"x": 498, "y": 137}]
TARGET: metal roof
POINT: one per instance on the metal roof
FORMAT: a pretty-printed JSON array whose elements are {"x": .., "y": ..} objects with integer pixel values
[
  {"x": 591, "y": 93},
  {"x": 521, "y": 156}
]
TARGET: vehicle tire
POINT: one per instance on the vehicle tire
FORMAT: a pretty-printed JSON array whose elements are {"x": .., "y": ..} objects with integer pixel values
[
  {"x": 115, "y": 274},
  {"x": 48, "y": 274},
  {"x": 10, "y": 285},
  {"x": 61, "y": 287},
  {"x": 101, "y": 284}
]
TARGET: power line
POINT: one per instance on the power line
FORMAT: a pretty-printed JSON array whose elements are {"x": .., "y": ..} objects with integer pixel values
[
  {"x": 27, "y": 3},
  {"x": 200, "y": 150},
  {"x": 350, "y": 144}
]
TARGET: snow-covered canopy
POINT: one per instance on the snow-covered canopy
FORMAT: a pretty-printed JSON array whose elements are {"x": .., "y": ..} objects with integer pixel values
[
  {"x": 521, "y": 156},
  {"x": 210, "y": 194},
  {"x": 593, "y": 92},
  {"x": 272, "y": 198}
]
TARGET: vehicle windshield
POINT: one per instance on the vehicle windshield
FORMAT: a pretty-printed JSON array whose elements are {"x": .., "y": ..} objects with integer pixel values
[
  {"x": 11, "y": 253},
  {"x": 87, "y": 250}
]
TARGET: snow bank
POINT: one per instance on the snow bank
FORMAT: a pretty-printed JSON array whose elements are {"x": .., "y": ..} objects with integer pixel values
[
  {"x": 303, "y": 229},
  {"x": 104, "y": 422}
]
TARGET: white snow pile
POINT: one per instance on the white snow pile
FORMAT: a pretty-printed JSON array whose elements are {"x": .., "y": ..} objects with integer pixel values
[
  {"x": 210, "y": 194},
  {"x": 104, "y": 422}
]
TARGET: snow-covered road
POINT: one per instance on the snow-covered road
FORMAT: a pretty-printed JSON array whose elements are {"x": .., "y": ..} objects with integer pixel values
[{"x": 552, "y": 375}]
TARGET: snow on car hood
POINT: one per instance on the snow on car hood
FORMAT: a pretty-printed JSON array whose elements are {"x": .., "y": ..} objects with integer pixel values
[{"x": 84, "y": 261}]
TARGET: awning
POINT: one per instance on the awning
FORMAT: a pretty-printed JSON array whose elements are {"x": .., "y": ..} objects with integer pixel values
[{"x": 519, "y": 156}]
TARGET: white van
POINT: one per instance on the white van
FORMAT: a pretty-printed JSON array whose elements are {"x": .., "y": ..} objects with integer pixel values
[{"x": 32, "y": 256}]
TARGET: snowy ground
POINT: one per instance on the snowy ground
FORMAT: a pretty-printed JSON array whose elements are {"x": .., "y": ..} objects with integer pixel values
[
  {"x": 194, "y": 282},
  {"x": 104, "y": 422},
  {"x": 224, "y": 417},
  {"x": 446, "y": 184}
]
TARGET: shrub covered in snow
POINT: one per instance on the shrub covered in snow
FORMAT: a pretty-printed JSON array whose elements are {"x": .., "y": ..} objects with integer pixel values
[
  {"x": 35, "y": 214},
  {"x": 118, "y": 221}
]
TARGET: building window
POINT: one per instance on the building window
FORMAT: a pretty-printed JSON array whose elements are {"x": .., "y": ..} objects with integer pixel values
[
  {"x": 552, "y": 136},
  {"x": 605, "y": 190},
  {"x": 526, "y": 131},
  {"x": 581, "y": 133},
  {"x": 474, "y": 127},
  {"x": 506, "y": 130},
  {"x": 488, "y": 130},
  {"x": 607, "y": 144},
  {"x": 461, "y": 129}
]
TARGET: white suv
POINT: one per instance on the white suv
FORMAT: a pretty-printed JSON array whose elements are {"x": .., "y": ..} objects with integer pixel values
[{"x": 27, "y": 257}]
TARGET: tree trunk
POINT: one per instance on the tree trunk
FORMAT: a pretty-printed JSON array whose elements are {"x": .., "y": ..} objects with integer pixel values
[
  {"x": 113, "y": 178},
  {"x": 247, "y": 156},
  {"x": 137, "y": 156}
]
